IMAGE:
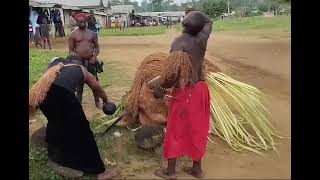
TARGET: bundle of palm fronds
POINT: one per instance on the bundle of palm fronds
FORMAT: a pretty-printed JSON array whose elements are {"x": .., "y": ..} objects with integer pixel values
[{"x": 238, "y": 114}]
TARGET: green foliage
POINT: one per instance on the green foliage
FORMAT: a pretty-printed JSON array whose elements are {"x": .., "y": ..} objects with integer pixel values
[
  {"x": 263, "y": 7},
  {"x": 38, "y": 61},
  {"x": 157, "y": 5},
  {"x": 38, "y": 168},
  {"x": 214, "y": 8}
]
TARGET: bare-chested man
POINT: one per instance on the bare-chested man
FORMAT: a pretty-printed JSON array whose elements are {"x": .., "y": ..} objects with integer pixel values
[
  {"x": 83, "y": 45},
  {"x": 193, "y": 100}
]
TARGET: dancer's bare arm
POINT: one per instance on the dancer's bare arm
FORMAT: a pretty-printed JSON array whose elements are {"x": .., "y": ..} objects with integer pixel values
[
  {"x": 207, "y": 28},
  {"x": 91, "y": 81}
]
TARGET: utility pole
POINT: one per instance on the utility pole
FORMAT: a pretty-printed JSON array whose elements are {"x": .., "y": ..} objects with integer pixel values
[
  {"x": 228, "y": 7},
  {"x": 269, "y": 6}
]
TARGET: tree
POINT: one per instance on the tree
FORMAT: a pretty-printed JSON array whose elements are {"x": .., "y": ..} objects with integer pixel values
[
  {"x": 136, "y": 6},
  {"x": 170, "y": 6},
  {"x": 157, "y": 5},
  {"x": 264, "y": 7},
  {"x": 144, "y": 5},
  {"x": 214, "y": 8}
]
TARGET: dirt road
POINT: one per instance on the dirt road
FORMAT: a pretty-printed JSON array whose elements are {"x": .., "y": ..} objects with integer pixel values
[{"x": 263, "y": 61}]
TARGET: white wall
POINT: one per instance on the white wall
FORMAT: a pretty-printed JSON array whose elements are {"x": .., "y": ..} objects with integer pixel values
[{"x": 102, "y": 20}]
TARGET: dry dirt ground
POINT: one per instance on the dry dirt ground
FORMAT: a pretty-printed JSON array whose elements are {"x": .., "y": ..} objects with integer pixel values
[{"x": 262, "y": 59}]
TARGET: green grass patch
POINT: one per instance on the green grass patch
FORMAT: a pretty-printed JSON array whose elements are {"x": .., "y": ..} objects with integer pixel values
[
  {"x": 114, "y": 75},
  {"x": 281, "y": 23},
  {"x": 135, "y": 31},
  {"x": 38, "y": 168},
  {"x": 38, "y": 62},
  {"x": 121, "y": 152}
]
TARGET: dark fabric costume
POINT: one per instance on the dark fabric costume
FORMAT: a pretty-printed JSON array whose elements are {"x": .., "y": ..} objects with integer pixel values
[
  {"x": 70, "y": 140},
  {"x": 45, "y": 29},
  {"x": 92, "y": 24},
  {"x": 92, "y": 69}
]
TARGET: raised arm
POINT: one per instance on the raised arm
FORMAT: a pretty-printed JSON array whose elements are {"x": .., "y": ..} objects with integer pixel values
[
  {"x": 207, "y": 28},
  {"x": 91, "y": 81}
]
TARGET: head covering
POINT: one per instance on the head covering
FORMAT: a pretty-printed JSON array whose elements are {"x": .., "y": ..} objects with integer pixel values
[{"x": 80, "y": 15}]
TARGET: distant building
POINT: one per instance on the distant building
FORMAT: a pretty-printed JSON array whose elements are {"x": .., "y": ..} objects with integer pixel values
[
  {"x": 122, "y": 11},
  {"x": 175, "y": 16},
  {"x": 268, "y": 14},
  {"x": 66, "y": 6},
  {"x": 97, "y": 5},
  {"x": 228, "y": 15}
]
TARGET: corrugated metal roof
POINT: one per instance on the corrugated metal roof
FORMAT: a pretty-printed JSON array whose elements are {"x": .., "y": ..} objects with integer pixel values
[
  {"x": 44, "y": 5},
  {"x": 123, "y": 9},
  {"x": 168, "y": 13},
  {"x": 70, "y": 7},
  {"x": 74, "y": 3},
  {"x": 98, "y": 13}
]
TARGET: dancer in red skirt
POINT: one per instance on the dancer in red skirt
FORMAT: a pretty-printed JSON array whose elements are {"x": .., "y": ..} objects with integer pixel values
[{"x": 189, "y": 109}]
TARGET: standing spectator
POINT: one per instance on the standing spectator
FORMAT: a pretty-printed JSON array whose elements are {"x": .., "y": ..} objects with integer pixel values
[
  {"x": 72, "y": 23},
  {"x": 37, "y": 38},
  {"x": 57, "y": 20},
  {"x": 133, "y": 23},
  {"x": 92, "y": 22},
  {"x": 124, "y": 23},
  {"x": 47, "y": 15},
  {"x": 52, "y": 11},
  {"x": 40, "y": 18},
  {"x": 30, "y": 31},
  {"x": 98, "y": 26},
  {"x": 83, "y": 44},
  {"x": 117, "y": 22},
  {"x": 113, "y": 26},
  {"x": 45, "y": 29},
  {"x": 121, "y": 23},
  {"x": 145, "y": 22}
]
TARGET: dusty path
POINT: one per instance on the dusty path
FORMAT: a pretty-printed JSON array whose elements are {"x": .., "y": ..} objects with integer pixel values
[{"x": 263, "y": 61}]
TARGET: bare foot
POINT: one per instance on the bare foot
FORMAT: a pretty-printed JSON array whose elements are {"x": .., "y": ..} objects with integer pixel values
[
  {"x": 163, "y": 173},
  {"x": 64, "y": 171},
  {"x": 194, "y": 172},
  {"x": 108, "y": 174}
]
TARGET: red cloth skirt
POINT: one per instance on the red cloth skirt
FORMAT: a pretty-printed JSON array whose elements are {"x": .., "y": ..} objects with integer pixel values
[{"x": 188, "y": 122}]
